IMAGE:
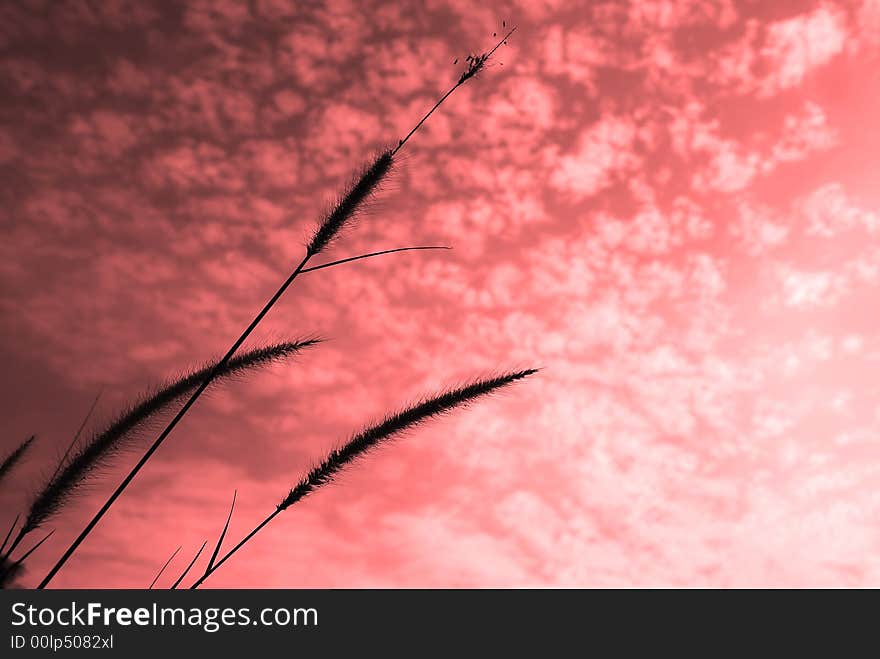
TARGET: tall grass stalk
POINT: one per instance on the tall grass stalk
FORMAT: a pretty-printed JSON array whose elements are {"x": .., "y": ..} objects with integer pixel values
[{"x": 367, "y": 440}]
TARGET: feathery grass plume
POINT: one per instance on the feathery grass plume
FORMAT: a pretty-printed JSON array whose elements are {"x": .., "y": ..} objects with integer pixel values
[
  {"x": 94, "y": 454},
  {"x": 13, "y": 458},
  {"x": 371, "y": 437},
  {"x": 391, "y": 426},
  {"x": 346, "y": 208}
]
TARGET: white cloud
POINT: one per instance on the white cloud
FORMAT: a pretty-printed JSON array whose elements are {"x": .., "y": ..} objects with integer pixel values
[
  {"x": 795, "y": 47},
  {"x": 603, "y": 151}
]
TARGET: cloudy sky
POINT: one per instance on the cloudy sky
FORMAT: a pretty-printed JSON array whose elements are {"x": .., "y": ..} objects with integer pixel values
[{"x": 669, "y": 205}]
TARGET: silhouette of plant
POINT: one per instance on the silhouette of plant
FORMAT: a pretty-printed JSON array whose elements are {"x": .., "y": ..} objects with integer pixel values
[{"x": 80, "y": 464}]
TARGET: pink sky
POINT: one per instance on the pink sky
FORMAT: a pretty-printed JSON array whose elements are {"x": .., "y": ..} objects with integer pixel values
[{"x": 670, "y": 206}]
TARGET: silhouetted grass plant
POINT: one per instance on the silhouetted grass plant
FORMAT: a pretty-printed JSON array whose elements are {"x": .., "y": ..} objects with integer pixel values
[
  {"x": 81, "y": 463},
  {"x": 361, "y": 443}
]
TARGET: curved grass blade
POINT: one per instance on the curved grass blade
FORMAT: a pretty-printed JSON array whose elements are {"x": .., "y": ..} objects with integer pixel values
[
  {"x": 223, "y": 533},
  {"x": 189, "y": 567},
  {"x": 162, "y": 569},
  {"x": 368, "y": 256}
]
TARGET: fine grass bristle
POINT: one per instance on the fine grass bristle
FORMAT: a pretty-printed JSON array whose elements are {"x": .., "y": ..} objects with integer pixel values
[
  {"x": 391, "y": 426},
  {"x": 87, "y": 460},
  {"x": 14, "y": 457},
  {"x": 346, "y": 208}
]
